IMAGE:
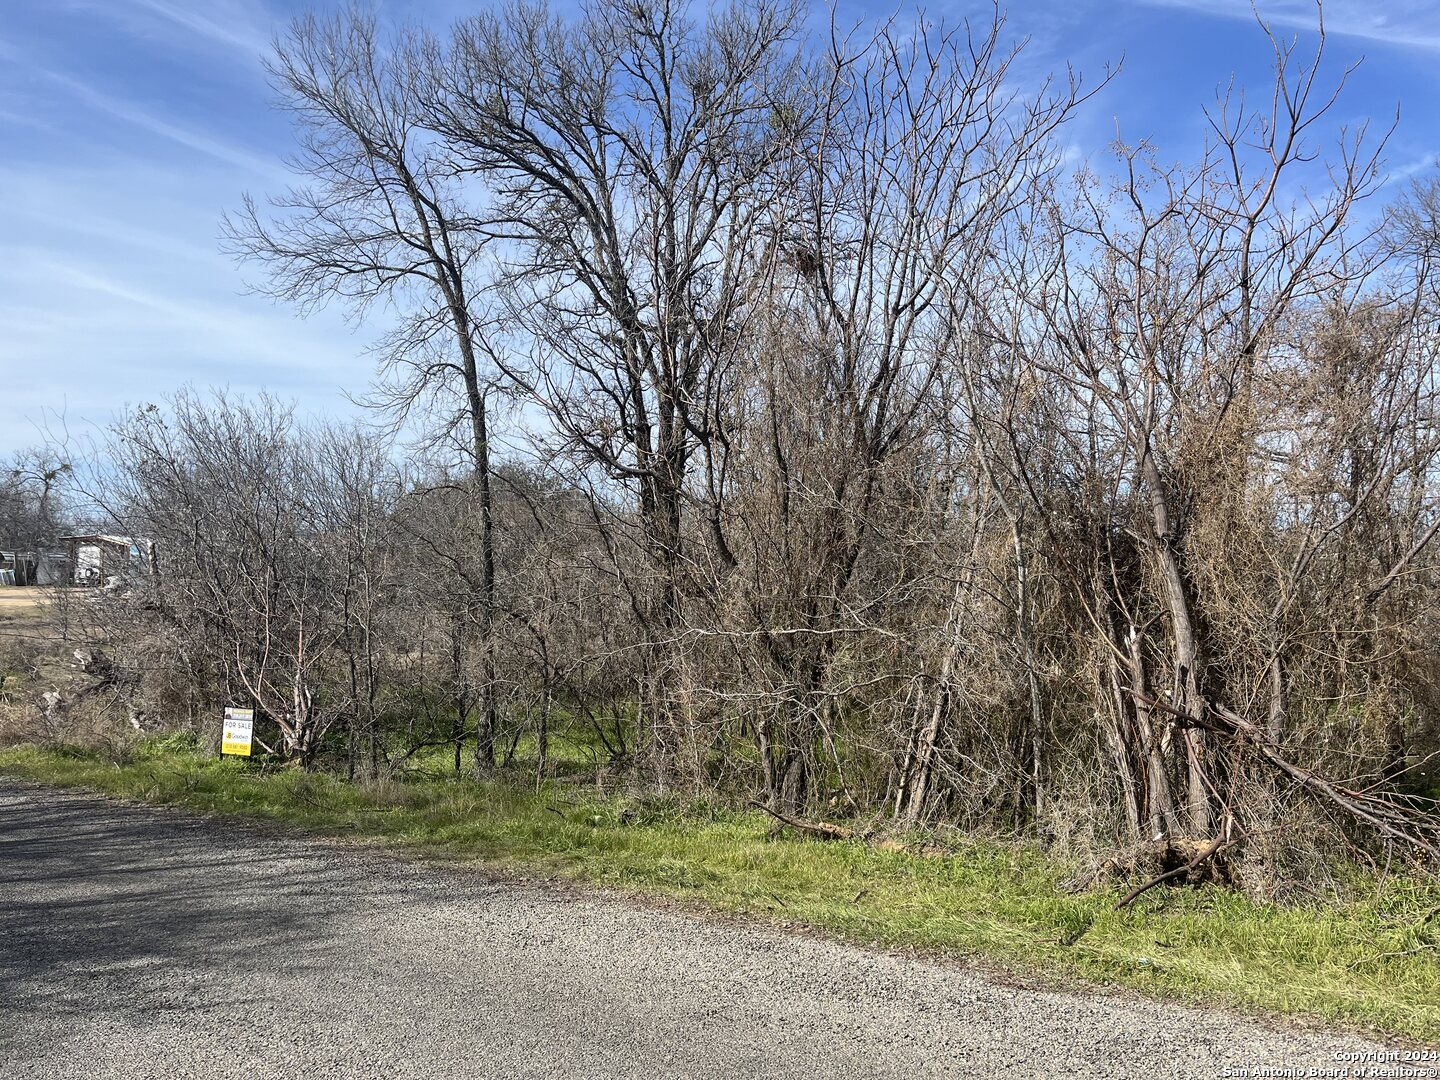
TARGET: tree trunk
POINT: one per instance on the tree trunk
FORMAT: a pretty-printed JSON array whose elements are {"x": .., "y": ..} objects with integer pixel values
[
  {"x": 1186, "y": 687},
  {"x": 1275, "y": 722},
  {"x": 660, "y": 512},
  {"x": 459, "y": 697},
  {"x": 1160, "y": 802},
  {"x": 1120, "y": 733},
  {"x": 486, "y": 721},
  {"x": 1032, "y": 744}
]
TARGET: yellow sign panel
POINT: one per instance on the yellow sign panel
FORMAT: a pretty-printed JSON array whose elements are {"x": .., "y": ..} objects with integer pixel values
[{"x": 239, "y": 731}]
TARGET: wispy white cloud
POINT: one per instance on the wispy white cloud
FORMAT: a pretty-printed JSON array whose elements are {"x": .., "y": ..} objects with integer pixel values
[
  {"x": 20, "y": 118},
  {"x": 243, "y": 28},
  {"x": 209, "y": 327},
  {"x": 1403, "y": 23},
  {"x": 129, "y": 127},
  {"x": 94, "y": 333},
  {"x": 199, "y": 142},
  {"x": 1406, "y": 170}
]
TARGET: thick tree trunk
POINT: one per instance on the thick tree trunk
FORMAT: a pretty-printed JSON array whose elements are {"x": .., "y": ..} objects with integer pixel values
[
  {"x": 1160, "y": 802},
  {"x": 660, "y": 513},
  {"x": 1186, "y": 686},
  {"x": 486, "y": 721}
]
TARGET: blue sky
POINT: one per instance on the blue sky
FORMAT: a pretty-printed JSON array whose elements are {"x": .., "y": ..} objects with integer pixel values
[{"x": 128, "y": 127}]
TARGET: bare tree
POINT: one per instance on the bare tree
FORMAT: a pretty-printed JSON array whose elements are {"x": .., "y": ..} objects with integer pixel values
[
  {"x": 379, "y": 221},
  {"x": 624, "y": 151}
]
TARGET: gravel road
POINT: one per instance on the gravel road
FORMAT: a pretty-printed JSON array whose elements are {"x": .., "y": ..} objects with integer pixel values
[{"x": 142, "y": 943}]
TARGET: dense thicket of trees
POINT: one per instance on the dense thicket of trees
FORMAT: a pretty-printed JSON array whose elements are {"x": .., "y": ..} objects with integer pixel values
[
  {"x": 32, "y": 491},
  {"x": 870, "y": 459}
]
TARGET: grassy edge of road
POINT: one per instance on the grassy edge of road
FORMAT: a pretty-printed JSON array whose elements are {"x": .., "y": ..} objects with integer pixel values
[{"x": 1372, "y": 962}]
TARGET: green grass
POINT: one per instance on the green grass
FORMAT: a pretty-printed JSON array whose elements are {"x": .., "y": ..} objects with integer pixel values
[{"x": 990, "y": 900}]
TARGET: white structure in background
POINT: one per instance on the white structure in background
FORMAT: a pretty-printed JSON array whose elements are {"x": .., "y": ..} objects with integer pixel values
[{"x": 97, "y": 559}]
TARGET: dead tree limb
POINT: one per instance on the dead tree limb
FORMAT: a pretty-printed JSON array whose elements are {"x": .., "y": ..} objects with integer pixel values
[
  {"x": 1388, "y": 815},
  {"x": 1218, "y": 845},
  {"x": 822, "y": 829}
]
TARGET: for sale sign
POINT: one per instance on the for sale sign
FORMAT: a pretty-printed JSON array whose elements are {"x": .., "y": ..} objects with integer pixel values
[{"x": 239, "y": 731}]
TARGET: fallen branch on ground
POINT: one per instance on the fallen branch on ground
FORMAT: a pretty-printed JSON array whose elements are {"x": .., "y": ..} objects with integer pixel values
[
  {"x": 1424, "y": 947},
  {"x": 822, "y": 829},
  {"x": 1218, "y": 845},
  {"x": 1388, "y": 815}
]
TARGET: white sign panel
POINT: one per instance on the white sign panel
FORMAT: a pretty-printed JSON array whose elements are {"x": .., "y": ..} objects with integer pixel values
[{"x": 239, "y": 732}]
